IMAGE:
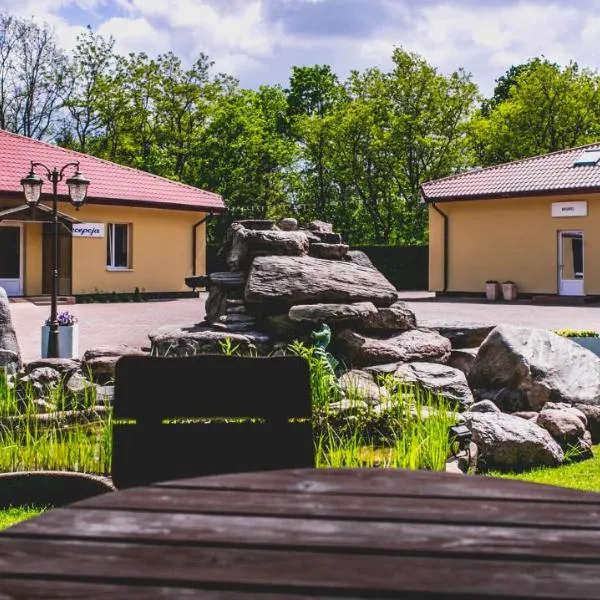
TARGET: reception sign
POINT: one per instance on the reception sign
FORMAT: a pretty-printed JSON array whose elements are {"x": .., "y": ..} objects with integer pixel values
[{"x": 88, "y": 230}]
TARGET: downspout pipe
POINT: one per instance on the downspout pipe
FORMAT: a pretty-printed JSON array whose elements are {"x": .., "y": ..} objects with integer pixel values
[
  {"x": 195, "y": 226},
  {"x": 445, "y": 218}
]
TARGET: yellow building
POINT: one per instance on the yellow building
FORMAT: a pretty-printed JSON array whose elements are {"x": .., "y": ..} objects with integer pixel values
[
  {"x": 134, "y": 230},
  {"x": 534, "y": 222}
]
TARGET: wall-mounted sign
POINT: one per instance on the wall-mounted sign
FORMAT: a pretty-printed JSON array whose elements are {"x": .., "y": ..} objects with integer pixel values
[
  {"x": 88, "y": 230},
  {"x": 576, "y": 208}
]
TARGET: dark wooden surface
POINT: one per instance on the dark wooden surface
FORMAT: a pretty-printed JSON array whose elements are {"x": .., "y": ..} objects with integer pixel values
[
  {"x": 220, "y": 404},
  {"x": 312, "y": 533}
]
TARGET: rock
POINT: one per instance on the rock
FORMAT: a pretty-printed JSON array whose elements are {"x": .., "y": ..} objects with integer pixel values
[
  {"x": 328, "y": 251},
  {"x": 47, "y": 376},
  {"x": 463, "y": 359},
  {"x": 569, "y": 408},
  {"x": 331, "y": 313},
  {"x": 247, "y": 243},
  {"x": 484, "y": 406},
  {"x": 360, "y": 386},
  {"x": 407, "y": 346},
  {"x": 281, "y": 326},
  {"x": 10, "y": 354},
  {"x": 522, "y": 368},
  {"x": 358, "y": 257},
  {"x": 228, "y": 279},
  {"x": 320, "y": 226},
  {"x": 79, "y": 386},
  {"x": 461, "y": 335},
  {"x": 64, "y": 366},
  {"x": 592, "y": 414},
  {"x": 288, "y": 224},
  {"x": 327, "y": 237},
  {"x": 563, "y": 426},
  {"x": 346, "y": 408},
  {"x": 189, "y": 341},
  {"x": 530, "y": 415},
  {"x": 235, "y": 322},
  {"x": 277, "y": 281},
  {"x": 437, "y": 379},
  {"x": 508, "y": 443},
  {"x": 100, "y": 361},
  {"x": 397, "y": 317}
]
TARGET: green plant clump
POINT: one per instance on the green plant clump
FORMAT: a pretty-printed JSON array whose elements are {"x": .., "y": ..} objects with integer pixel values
[
  {"x": 16, "y": 514},
  {"x": 577, "y": 333}
]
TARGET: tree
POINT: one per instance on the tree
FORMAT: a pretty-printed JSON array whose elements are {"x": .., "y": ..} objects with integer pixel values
[
  {"x": 32, "y": 77},
  {"x": 548, "y": 108}
]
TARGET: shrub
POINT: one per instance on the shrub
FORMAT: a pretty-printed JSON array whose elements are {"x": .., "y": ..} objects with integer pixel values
[{"x": 577, "y": 333}]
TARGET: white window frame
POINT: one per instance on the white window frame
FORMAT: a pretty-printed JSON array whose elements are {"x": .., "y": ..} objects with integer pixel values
[{"x": 110, "y": 241}]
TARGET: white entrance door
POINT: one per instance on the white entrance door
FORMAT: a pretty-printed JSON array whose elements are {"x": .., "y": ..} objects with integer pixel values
[
  {"x": 11, "y": 259},
  {"x": 570, "y": 263}
]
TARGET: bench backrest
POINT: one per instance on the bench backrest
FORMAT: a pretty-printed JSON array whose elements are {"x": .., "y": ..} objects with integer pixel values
[{"x": 227, "y": 414}]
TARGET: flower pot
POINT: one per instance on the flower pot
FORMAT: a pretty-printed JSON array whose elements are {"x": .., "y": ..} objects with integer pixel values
[
  {"x": 509, "y": 291},
  {"x": 492, "y": 290},
  {"x": 68, "y": 341}
]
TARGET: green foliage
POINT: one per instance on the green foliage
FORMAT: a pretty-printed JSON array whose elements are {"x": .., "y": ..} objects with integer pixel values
[
  {"x": 541, "y": 107},
  {"x": 16, "y": 514},
  {"x": 577, "y": 333},
  {"x": 584, "y": 475},
  {"x": 27, "y": 443}
]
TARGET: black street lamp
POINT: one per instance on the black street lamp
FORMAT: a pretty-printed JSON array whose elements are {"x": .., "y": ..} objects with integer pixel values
[{"x": 32, "y": 187}]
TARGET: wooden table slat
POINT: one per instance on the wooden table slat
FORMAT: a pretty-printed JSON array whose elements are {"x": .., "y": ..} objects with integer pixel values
[
  {"x": 242, "y": 569},
  {"x": 360, "y": 507},
  {"x": 387, "y": 482},
  {"x": 474, "y": 541}
]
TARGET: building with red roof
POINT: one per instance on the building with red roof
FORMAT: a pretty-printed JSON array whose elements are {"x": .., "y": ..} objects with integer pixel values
[
  {"x": 532, "y": 222},
  {"x": 135, "y": 230}
]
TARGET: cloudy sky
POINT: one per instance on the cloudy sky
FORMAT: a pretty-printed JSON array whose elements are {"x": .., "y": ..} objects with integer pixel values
[{"x": 259, "y": 40}]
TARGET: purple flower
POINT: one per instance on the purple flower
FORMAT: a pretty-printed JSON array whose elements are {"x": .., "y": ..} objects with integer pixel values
[{"x": 64, "y": 318}]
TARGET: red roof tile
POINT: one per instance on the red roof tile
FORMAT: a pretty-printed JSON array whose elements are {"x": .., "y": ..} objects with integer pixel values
[
  {"x": 549, "y": 173},
  {"x": 109, "y": 183}
]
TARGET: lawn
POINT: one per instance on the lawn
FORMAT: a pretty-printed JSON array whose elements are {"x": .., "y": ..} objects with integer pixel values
[
  {"x": 583, "y": 475},
  {"x": 14, "y": 515}
]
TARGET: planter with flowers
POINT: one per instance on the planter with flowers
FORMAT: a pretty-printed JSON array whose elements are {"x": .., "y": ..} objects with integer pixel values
[
  {"x": 68, "y": 336},
  {"x": 509, "y": 290},
  {"x": 492, "y": 289}
]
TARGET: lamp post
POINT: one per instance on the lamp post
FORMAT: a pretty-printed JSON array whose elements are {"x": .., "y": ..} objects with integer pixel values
[{"x": 32, "y": 188}]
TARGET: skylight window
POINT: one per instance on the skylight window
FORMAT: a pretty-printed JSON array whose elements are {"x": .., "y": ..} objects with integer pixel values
[{"x": 587, "y": 157}]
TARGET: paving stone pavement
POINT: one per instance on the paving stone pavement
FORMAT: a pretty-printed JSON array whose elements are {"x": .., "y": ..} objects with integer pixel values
[{"x": 130, "y": 323}]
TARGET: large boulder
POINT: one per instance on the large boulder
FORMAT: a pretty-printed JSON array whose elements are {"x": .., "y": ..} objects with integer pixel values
[
  {"x": 522, "y": 368},
  {"x": 397, "y": 317},
  {"x": 248, "y": 243},
  {"x": 189, "y": 341},
  {"x": 277, "y": 281},
  {"x": 331, "y": 313},
  {"x": 407, "y": 346},
  {"x": 509, "y": 443},
  {"x": 439, "y": 380},
  {"x": 461, "y": 335},
  {"x": 100, "y": 362},
  {"x": 10, "y": 354}
]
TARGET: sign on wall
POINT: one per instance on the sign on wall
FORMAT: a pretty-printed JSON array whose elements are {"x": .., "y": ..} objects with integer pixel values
[
  {"x": 575, "y": 208},
  {"x": 88, "y": 230}
]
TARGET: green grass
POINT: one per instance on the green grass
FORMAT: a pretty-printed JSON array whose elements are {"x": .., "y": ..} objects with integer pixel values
[
  {"x": 16, "y": 514},
  {"x": 28, "y": 444},
  {"x": 584, "y": 475}
]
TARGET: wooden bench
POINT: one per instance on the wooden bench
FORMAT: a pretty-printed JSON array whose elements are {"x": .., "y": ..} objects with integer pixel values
[{"x": 209, "y": 414}]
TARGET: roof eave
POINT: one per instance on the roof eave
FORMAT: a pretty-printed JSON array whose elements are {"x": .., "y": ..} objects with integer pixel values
[{"x": 501, "y": 195}]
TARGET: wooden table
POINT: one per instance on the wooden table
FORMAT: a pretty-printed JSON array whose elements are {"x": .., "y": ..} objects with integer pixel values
[{"x": 351, "y": 533}]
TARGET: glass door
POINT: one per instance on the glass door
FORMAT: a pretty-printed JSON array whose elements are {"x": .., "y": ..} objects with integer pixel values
[
  {"x": 570, "y": 263},
  {"x": 11, "y": 272}
]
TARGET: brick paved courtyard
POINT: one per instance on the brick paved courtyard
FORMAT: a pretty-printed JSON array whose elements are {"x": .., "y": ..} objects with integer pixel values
[{"x": 130, "y": 323}]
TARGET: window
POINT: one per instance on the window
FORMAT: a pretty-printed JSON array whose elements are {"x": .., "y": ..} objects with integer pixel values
[
  {"x": 588, "y": 157},
  {"x": 118, "y": 253}
]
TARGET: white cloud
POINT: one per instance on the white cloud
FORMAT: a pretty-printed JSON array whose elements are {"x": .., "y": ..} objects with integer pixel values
[{"x": 259, "y": 40}]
